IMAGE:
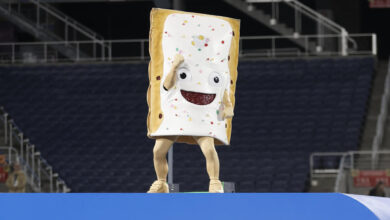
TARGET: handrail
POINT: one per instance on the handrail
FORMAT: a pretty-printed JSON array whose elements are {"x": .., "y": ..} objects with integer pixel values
[
  {"x": 67, "y": 28},
  {"x": 381, "y": 123},
  {"x": 315, "y": 15},
  {"x": 316, "y": 154},
  {"x": 301, "y": 9},
  {"x": 69, "y": 21},
  {"x": 10, "y": 150},
  {"x": 272, "y": 48},
  {"x": 78, "y": 41},
  {"x": 352, "y": 163},
  {"x": 337, "y": 184},
  {"x": 305, "y": 10},
  {"x": 66, "y": 18},
  {"x": 139, "y": 40},
  {"x": 306, "y": 35},
  {"x": 32, "y": 172}
]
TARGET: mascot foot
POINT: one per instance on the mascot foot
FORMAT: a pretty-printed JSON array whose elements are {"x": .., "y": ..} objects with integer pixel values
[
  {"x": 159, "y": 186},
  {"x": 215, "y": 186}
]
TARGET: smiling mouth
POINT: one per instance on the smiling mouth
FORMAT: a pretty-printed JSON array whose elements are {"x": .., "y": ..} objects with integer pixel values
[{"x": 198, "y": 98}]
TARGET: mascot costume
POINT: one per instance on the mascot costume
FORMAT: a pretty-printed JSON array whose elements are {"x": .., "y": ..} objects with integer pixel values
[{"x": 192, "y": 81}]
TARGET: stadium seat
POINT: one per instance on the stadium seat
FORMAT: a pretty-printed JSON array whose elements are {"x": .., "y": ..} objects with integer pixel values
[{"x": 89, "y": 122}]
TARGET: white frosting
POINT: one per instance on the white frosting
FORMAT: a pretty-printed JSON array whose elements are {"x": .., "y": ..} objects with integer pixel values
[{"x": 204, "y": 42}]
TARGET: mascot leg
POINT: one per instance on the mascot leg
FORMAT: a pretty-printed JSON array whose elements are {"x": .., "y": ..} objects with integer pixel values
[
  {"x": 212, "y": 162},
  {"x": 160, "y": 151}
]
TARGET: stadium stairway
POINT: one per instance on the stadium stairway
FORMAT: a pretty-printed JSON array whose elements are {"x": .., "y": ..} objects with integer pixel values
[
  {"x": 2, "y": 139},
  {"x": 89, "y": 122},
  {"x": 3, "y": 187},
  {"x": 374, "y": 106},
  {"x": 386, "y": 136},
  {"x": 280, "y": 27},
  {"x": 24, "y": 15},
  {"x": 384, "y": 159}
]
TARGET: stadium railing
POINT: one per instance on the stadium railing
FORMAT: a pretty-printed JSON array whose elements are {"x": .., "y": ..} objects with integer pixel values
[
  {"x": 303, "y": 20},
  {"x": 41, "y": 13},
  {"x": 382, "y": 118},
  {"x": 39, "y": 173},
  {"x": 137, "y": 49},
  {"x": 318, "y": 166},
  {"x": 346, "y": 163},
  {"x": 10, "y": 153}
]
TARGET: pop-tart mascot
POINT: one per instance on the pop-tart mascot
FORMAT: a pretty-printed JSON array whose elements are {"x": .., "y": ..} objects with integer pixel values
[{"x": 192, "y": 75}]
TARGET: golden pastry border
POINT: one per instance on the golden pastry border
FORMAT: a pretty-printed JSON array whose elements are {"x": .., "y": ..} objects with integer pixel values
[{"x": 157, "y": 19}]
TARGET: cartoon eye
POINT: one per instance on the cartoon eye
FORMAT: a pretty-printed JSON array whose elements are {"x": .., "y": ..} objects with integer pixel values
[
  {"x": 215, "y": 79},
  {"x": 183, "y": 74}
]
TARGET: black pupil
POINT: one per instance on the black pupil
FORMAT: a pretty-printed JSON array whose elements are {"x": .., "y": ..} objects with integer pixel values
[
  {"x": 216, "y": 79},
  {"x": 183, "y": 75}
]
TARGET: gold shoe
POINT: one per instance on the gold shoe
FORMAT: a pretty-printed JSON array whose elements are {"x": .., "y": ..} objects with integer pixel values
[
  {"x": 215, "y": 186},
  {"x": 159, "y": 186}
]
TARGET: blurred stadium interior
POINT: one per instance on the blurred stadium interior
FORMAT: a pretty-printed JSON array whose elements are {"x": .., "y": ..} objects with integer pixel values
[{"x": 311, "y": 103}]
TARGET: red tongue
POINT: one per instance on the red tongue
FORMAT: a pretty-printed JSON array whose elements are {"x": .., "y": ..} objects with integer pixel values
[{"x": 198, "y": 98}]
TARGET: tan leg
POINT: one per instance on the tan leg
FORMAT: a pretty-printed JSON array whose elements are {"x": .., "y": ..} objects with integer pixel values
[
  {"x": 160, "y": 151},
  {"x": 212, "y": 162}
]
